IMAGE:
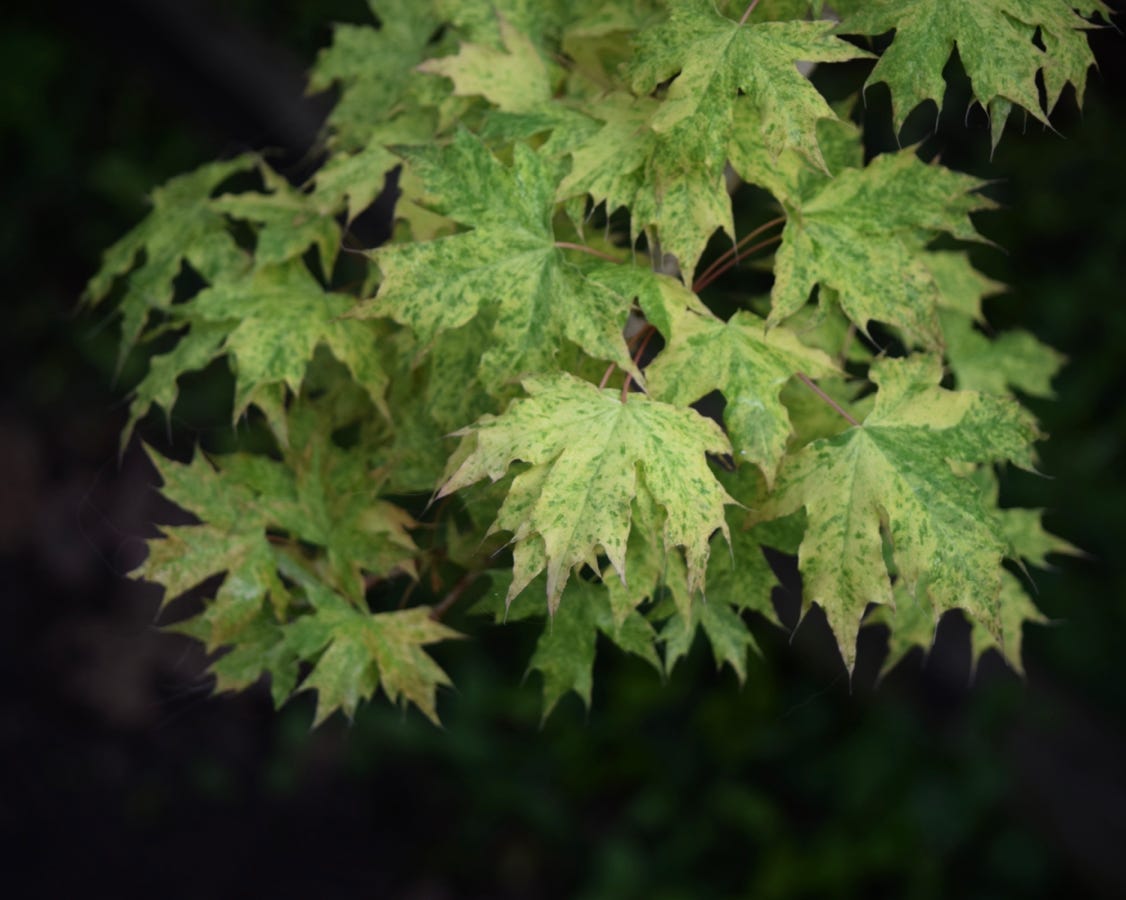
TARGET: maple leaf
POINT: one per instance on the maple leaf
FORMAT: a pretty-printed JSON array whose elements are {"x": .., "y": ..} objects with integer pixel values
[
  {"x": 597, "y": 39},
  {"x": 260, "y": 648},
  {"x": 725, "y": 630},
  {"x": 1014, "y": 359},
  {"x": 1016, "y": 609},
  {"x": 913, "y": 619},
  {"x": 289, "y": 222},
  {"x": 187, "y": 555},
  {"x": 277, "y": 317},
  {"x": 565, "y": 651},
  {"x": 183, "y": 226},
  {"x": 1022, "y": 528},
  {"x": 894, "y": 472},
  {"x": 714, "y": 59},
  {"x": 961, "y": 287},
  {"x": 590, "y": 456},
  {"x": 1031, "y": 544},
  {"x": 672, "y": 181},
  {"x": 864, "y": 234},
  {"x": 418, "y": 448},
  {"x": 508, "y": 266},
  {"x": 232, "y": 540},
  {"x": 316, "y": 495},
  {"x": 195, "y": 349},
  {"x": 375, "y": 69},
  {"x": 357, "y": 652},
  {"x": 739, "y": 579},
  {"x": 353, "y": 180},
  {"x": 244, "y": 505},
  {"x": 911, "y": 624},
  {"x": 750, "y": 366},
  {"x": 484, "y": 22},
  {"x": 995, "y": 45},
  {"x": 515, "y": 79}
]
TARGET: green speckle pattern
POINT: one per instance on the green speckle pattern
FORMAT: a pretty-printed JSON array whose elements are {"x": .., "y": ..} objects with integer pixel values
[
  {"x": 590, "y": 456},
  {"x": 894, "y": 474}
]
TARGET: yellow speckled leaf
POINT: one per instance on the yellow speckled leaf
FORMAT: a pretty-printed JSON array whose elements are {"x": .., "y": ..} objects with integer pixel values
[
  {"x": 894, "y": 474},
  {"x": 591, "y": 454}
]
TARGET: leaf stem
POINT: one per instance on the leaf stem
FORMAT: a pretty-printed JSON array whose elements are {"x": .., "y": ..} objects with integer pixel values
[
  {"x": 734, "y": 251},
  {"x": 730, "y": 259},
  {"x": 582, "y": 248},
  {"x": 606, "y": 375},
  {"x": 833, "y": 403},
  {"x": 454, "y": 595},
  {"x": 649, "y": 332},
  {"x": 747, "y": 14},
  {"x": 629, "y": 343}
]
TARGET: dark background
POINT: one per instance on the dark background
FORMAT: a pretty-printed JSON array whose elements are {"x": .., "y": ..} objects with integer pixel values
[{"x": 121, "y": 775}]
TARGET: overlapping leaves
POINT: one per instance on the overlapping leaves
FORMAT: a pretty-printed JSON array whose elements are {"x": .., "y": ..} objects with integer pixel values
[
  {"x": 864, "y": 233},
  {"x": 714, "y": 59},
  {"x": 591, "y": 455},
  {"x": 996, "y": 42},
  {"x": 750, "y": 365},
  {"x": 272, "y": 606},
  {"x": 893, "y": 475},
  {"x": 509, "y": 266},
  {"x": 270, "y": 323},
  {"x": 513, "y": 122}
]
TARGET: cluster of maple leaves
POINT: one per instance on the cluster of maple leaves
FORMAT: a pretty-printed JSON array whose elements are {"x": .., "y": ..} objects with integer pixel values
[{"x": 499, "y": 314}]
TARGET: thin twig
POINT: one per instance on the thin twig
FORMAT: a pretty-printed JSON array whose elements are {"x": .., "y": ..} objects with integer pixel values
[
  {"x": 833, "y": 403},
  {"x": 710, "y": 272},
  {"x": 704, "y": 280},
  {"x": 454, "y": 595},
  {"x": 582, "y": 248},
  {"x": 606, "y": 375},
  {"x": 629, "y": 343},
  {"x": 650, "y": 331},
  {"x": 747, "y": 14}
]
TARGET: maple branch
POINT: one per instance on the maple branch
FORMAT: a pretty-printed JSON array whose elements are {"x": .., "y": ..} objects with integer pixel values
[
  {"x": 567, "y": 245},
  {"x": 713, "y": 272},
  {"x": 649, "y": 331},
  {"x": 833, "y": 403},
  {"x": 747, "y": 14},
  {"x": 454, "y": 595}
]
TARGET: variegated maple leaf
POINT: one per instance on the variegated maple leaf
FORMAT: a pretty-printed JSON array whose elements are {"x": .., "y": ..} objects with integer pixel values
[
  {"x": 995, "y": 41},
  {"x": 509, "y": 267},
  {"x": 893, "y": 474},
  {"x": 864, "y": 232},
  {"x": 590, "y": 455}
]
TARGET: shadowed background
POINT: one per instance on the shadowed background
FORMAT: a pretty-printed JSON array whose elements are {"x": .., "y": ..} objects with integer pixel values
[{"x": 121, "y": 773}]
